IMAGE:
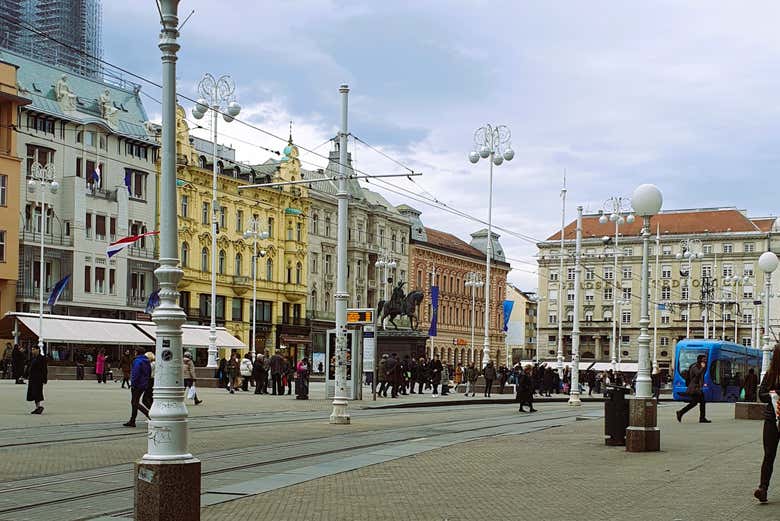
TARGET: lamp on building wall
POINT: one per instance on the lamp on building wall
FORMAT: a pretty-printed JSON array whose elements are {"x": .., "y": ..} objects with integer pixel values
[
  {"x": 42, "y": 178},
  {"x": 767, "y": 262},
  {"x": 215, "y": 95},
  {"x": 494, "y": 144}
]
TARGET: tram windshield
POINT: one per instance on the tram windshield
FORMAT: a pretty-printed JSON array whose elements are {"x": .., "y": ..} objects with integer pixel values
[{"x": 687, "y": 358}]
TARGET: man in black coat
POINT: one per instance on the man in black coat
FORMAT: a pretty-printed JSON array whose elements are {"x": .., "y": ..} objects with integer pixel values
[
  {"x": 436, "y": 368},
  {"x": 19, "y": 360},
  {"x": 695, "y": 389},
  {"x": 277, "y": 368},
  {"x": 260, "y": 375},
  {"x": 38, "y": 376},
  {"x": 525, "y": 389},
  {"x": 393, "y": 367}
]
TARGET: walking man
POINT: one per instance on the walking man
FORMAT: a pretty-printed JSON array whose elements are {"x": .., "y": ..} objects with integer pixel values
[
  {"x": 277, "y": 366},
  {"x": 490, "y": 374},
  {"x": 140, "y": 374},
  {"x": 695, "y": 389}
]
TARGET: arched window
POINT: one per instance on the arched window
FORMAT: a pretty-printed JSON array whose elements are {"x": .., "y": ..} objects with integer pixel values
[
  {"x": 289, "y": 274},
  {"x": 185, "y": 254},
  {"x": 298, "y": 274},
  {"x": 204, "y": 259},
  {"x": 315, "y": 224},
  {"x": 221, "y": 265},
  {"x": 327, "y": 302},
  {"x": 313, "y": 304},
  {"x": 327, "y": 226},
  {"x": 269, "y": 270},
  {"x": 238, "y": 265},
  {"x": 202, "y": 161}
]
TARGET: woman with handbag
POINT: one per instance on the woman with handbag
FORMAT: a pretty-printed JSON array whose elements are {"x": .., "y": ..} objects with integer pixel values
[
  {"x": 302, "y": 371},
  {"x": 189, "y": 377},
  {"x": 246, "y": 371},
  {"x": 768, "y": 393}
]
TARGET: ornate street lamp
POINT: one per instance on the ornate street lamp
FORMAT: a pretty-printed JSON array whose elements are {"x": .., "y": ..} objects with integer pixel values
[
  {"x": 474, "y": 282},
  {"x": 768, "y": 263}
]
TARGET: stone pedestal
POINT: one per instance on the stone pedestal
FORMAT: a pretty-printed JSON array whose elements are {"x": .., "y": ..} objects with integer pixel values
[
  {"x": 167, "y": 491},
  {"x": 749, "y": 410},
  {"x": 642, "y": 434}
]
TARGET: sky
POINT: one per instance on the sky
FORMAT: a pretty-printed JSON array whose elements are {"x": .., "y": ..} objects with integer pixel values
[{"x": 614, "y": 94}]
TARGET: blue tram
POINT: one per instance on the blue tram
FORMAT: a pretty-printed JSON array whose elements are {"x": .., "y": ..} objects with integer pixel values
[{"x": 727, "y": 366}]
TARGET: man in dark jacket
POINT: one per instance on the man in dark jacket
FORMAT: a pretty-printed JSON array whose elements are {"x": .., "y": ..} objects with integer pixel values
[
  {"x": 140, "y": 373},
  {"x": 260, "y": 374},
  {"x": 695, "y": 389},
  {"x": 489, "y": 372},
  {"x": 525, "y": 389},
  {"x": 382, "y": 376},
  {"x": 277, "y": 368},
  {"x": 436, "y": 368},
  {"x": 19, "y": 360},
  {"x": 393, "y": 367}
]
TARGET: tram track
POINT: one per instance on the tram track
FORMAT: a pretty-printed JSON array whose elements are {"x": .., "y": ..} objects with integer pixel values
[{"x": 432, "y": 429}]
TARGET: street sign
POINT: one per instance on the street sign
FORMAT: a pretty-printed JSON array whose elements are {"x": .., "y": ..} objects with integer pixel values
[{"x": 360, "y": 316}]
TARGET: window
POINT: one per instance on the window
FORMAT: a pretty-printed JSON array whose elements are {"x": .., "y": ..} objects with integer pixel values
[
  {"x": 112, "y": 281},
  {"x": 221, "y": 262},
  {"x": 3, "y": 190},
  {"x": 570, "y": 316},
  {"x": 666, "y": 272},
  {"x": 684, "y": 314},
  {"x": 747, "y": 292},
  {"x": 237, "y": 311},
  {"x": 88, "y": 225},
  {"x": 551, "y": 339},
  {"x": 204, "y": 259},
  {"x": 706, "y": 270},
  {"x": 269, "y": 270},
  {"x": 570, "y": 273},
  {"x": 327, "y": 226},
  {"x": 625, "y": 339},
  {"x": 313, "y": 302},
  {"x": 553, "y": 275},
  {"x": 314, "y": 261},
  {"x": 315, "y": 224},
  {"x": 240, "y": 221},
  {"x": 185, "y": 254},
  {"x": 589, "y": 316},
  {"x": 728, "y": 270},
  {"x": 220, "y": 308},
  {"x": 749, "y": 247},
  {"x": 607, "y": 315},
  {"x": 289, "y": 273},
  {"x": 628, "y": 252},
  {"x": 138, "y": 285},
  {"x": 327, "y": 265},
  {"x": 2, "y": 245},
  {"x": 237, "y": 265},
  {"x": 626, "y": 293},
  {"x": 666, "y": 250},
  {"x": 87, "y": 279},
  {"x": 112, "y": 228},
  {"x": 270, "y": 227},
  {"x": 204, "y": 213},
  {"x": 185, "y": 204},
  {"x": 223, "y": 218},
  {"x": 665, "y": 319},
  {"x": 684, "y": 292},
  {"x": 37, "y": 153},
  {"x": 728, "y": 248},
  {"x": 666, "y": 292},
  {"x": 135, "y": 181},
  {"x": 589, "y": 295},
  {"x": 747, "y": 269},
  {"x": 625, "y": 316},
  {"x": 589, "y": 275},
  {"x": 627, "y": 272},
  {"x": 706, "y": 249},
  {"x": 608, "y": 293},
  {"x": 747, "y": 316},
  {"x": 299, "y": 232},
  {"x": 552, "y": 318},
  {"x": 100, "y": 280},
  {"x": 608, "y": 273},
  {"x": 553, "y": 294},
  {"x": 570, "y": 295}
]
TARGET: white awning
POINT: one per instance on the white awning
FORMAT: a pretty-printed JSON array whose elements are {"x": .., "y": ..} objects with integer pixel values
[
  {"x": 626, "y": 367},
  {"x": 84, "y": 330},
  {"x": 198, "y": 336}
]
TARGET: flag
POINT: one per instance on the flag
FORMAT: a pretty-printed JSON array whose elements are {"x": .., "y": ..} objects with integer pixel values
[
  {"x": 661, "y": 307},
  {"x": 128, "y": 182},
  {"x": 57, "y": 290},
  {"x": 508, "y": 305},
  {"x": 435, "y": 308},
  {"x": 96, "y": 175},
  {"x": 117, "y": 246},
  {"x": 153, "y": 302}
]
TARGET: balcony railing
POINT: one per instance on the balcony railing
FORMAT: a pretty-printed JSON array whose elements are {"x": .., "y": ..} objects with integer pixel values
[
  {"x": 144, "y": 253},
  {"x": 136, "y": 301},
  {"x": 27, "y": 291},
  {"x": 291, "y": 321},
  {"x": 100, "y": 193},
  {"x": 321, "y": 315},
  {"x": 242, "y": 281},
  {"x": 52, "y": 240}
]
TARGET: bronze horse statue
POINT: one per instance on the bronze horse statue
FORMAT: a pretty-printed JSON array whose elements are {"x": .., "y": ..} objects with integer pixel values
[{"x": 407, "y": 306}]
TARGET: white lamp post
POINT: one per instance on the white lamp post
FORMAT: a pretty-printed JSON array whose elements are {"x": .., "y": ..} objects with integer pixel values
[
  {"x": 736, "y": 281},
  {"x": 494, "y": 144},
  {"x": 538, "y": 307},
  {"x": 621, "y": 303},
  {"x": 768, "y": 263},
  {"x": 254, "y": 233},
  {"x": 384, "y": 262},
  {"x": 690, "y": 249},
  {"x": 619, "y": 211},
  {"x": 574, "y": 392},
  {"x": 473, "y": 281},
  {"x": 215, "y": 95},
  {"x": 42, "y": 175}
]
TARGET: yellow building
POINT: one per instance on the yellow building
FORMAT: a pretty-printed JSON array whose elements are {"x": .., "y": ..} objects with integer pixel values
[
  {"x": 9, "y": 187},
  {"x": 281, "y": 261}
]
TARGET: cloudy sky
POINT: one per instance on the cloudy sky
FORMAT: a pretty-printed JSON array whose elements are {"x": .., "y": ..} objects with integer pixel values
[{"x": 683, "y": 95}]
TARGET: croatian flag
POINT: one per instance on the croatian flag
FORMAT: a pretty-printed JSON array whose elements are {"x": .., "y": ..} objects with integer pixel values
[
  {"x": 435, "y": 310},
  {"x": 96, "y": 175},
  {"x": 508, "y": 306},
  {"x": 153, "y": 302},
  {"x": 57, "y": 290},
  {"x": 117, "y": 246}
]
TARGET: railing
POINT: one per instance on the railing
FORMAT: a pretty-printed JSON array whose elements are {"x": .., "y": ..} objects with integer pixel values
[
  {"x": 99, "y": 193},
  {"x": 146, "y": 253},
  {"x": 52, "y": 240},
  {"x": 136, "y": 301},
  {"x": 240, "y": 280},
  {"x": 291, "y": 321},
  {"x": 320, "y": 315},
  {"x": 26, "y": 291}
]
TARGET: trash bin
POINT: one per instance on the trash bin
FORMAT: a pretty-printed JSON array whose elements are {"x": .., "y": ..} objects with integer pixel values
[{"x": 616, "y": 415}]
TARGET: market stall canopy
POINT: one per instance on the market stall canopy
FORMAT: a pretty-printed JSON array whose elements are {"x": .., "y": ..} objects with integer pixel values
[
  {"x": 61, "y": 329},
  {"x": 197, "y": 336}
]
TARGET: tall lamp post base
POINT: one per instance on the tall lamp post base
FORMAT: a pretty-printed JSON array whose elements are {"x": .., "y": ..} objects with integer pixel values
[
  {"x": 167, "y": 490},
  {"x": 643, "y": 434},
  {"x": 339, "y": 415}
]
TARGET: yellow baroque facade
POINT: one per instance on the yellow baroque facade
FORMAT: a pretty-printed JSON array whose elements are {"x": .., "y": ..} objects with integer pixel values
[{"x": 281, "y": 260}]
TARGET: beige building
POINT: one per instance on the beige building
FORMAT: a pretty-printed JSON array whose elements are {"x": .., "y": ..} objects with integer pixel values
[
  {"x": 731, "y": 243},
  {"x": 521, "y": 329}
]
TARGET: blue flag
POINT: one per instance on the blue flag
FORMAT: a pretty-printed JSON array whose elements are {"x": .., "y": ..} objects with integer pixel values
[
  {"x": 128, "y": 182},
  {"x": 153, "y": 302},
  {"x": 508, "y": 305},
  {"x": 662, "y": 307},
  {"x": 435, "y": 308},
  {"x": 57, "y": 290}
]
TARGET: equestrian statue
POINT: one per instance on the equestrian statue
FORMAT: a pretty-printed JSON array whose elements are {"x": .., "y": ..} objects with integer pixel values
[{"x": 400, "y": 304}]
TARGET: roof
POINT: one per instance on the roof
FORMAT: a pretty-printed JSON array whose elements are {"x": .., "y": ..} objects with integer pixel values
[
  {"x": 677, "y": 222},
  {"x": 448, "y": 242},
  {"x": 765, "y": 224},
  {"x": 37, "y": 81}
]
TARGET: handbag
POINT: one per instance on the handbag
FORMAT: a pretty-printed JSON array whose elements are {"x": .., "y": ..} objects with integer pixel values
[{"x": 191, "y": 393}]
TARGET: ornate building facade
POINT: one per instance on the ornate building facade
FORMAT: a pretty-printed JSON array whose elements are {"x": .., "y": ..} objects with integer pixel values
[
  {"x": 440, "y": 259},
  {"x": 731, "y": 243},
  {"x": 281, "y": 262}
]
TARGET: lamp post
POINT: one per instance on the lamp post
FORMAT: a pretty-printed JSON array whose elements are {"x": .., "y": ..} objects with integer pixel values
[
  {"x": 473, "y": 281},
  {"x": 642, "y": 434},
  {"x": 494, "y": 144},
  {"x": 620, "y": 304},
  {"x": 736, "y": 281},
  {"x": 691, "y": 249},
  {"x": 384, "y": 262},
  {"x": 215, "y": 95},
  {"x": 167, "y": 483},
  {"x": 574, "y": 392},
  {"x": 42, "y": 178},
  {"x": 538, "y": 306},
  {"x": 768, "y": 263},
  {"x": 254, "y": 233},
  {"x": 619, "y": 211}
]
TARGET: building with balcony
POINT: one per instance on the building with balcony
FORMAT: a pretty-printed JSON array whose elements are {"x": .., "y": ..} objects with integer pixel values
[
  {"x": 440, "y": 259},
  {"x": 10, "y": 174},
  {"x": 376, "y": 229},
  {"x": 731, "y": 243},
  {"x": 281, "y": 264},
  {"x": 97, "y": 137}
]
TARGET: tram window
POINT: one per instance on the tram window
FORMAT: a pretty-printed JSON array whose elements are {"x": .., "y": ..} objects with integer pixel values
[{"x": 687, "y": 358}]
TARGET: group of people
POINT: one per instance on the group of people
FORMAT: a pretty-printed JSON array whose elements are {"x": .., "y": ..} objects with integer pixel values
[
  {"x": 261, "y": 371},
  {"x": 14, "y": 363}
]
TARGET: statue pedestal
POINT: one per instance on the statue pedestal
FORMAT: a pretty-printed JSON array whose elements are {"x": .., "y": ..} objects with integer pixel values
[{"x": 401, "y": 342}]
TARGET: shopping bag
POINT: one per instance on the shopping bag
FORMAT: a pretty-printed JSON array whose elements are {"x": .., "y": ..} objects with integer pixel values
[
  {"x": 742, "y": 394},
  {"x": 191, "y": 392}
]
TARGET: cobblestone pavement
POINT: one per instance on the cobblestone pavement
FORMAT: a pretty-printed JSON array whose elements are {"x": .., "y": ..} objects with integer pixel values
[{"x": 705, "y": 472}]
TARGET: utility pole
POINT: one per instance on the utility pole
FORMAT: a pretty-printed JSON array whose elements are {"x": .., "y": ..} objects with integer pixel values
[
  {"x": 574, "y": 391},
  {"x": 560, "y": 280}
]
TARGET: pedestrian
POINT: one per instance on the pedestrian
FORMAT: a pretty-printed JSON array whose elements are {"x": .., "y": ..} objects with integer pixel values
[
  {"x": 222, "y": 373},
  {"x": 289, "y": 373},
  {"x": 695, "y": 389},
  {"x": 767, "y": 393},
  {"x": 419, "y": 375},
  {"x": 525, "y": 389},
  {"x": 458, "y": 375},
  {"x": 259, "y": 374},
  {"x": 246, "y": 371},
  {"x": 472, "y": 374},
  {"x": 125, "y": 364},
  {"x": 19, "y": 360},
  {"x": 148, "y": 396},
  {"x": 100, "y": 366},
  {"x": 302, "y": 371},
  {"x": 445, "y": 380},
  {"x": 489, "y": 372},
  {"x": 140, "y": 376},
  {"x": 590, "y": 376},
  {"x": 190, "y": 378},
  {"x": 750, "y": 386},
  {"x": 436, "y": 369},
  {"x": 7, "y": 361},
  {"x": 232, "y": 370},
  {"x": 655, "y": 380},
  {"x": 393, "y": 367},
  {"x": 36, "y": 378},
  {"x": 277, "y": 366},
  {"x": 382, "y": 376},
  {"x": 80, "y": 367},
  {"x": 503, "y": 376}
]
